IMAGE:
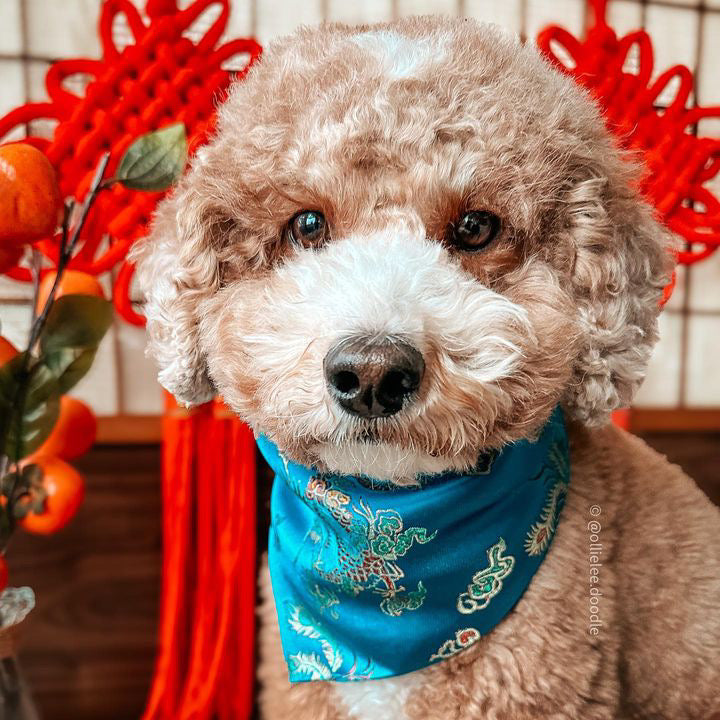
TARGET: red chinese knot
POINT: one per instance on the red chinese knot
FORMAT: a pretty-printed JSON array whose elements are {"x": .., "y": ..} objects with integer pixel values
[
  {"x": 161, "y": 78},
  {"x": 680, "y": 165}
]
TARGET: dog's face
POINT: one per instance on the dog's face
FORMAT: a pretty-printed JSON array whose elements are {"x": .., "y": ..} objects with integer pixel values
[{"x": 406, "y": 243}]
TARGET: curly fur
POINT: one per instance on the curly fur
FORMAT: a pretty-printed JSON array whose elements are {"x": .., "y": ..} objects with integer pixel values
[
  {"x": 373, "y": 148},
  {"x": 392, "y": 132}
]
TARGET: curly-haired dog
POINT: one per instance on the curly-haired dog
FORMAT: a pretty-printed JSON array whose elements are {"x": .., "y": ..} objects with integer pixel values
[{"x": 406, "y": 245}]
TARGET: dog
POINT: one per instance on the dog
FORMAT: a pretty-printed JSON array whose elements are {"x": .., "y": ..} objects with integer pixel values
[{"x": 405, "y": 246}]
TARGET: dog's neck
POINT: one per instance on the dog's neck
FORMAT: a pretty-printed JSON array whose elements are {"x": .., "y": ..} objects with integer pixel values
[
  {"x": 385, "y": 462},
  {"x": 373, "y": 580}
]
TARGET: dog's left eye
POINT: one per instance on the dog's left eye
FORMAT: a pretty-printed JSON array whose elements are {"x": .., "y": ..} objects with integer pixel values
[
  {"x": 474, "y": 230},
  {"x": 308, "y": 228}
]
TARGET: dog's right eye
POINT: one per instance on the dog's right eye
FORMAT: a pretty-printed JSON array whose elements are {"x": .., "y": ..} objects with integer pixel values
[
  {"x": 308, "y": 228},
  {"x": 474, "y": 230}
]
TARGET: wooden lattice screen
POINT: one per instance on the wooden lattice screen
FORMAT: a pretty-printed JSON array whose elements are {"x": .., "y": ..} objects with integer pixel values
[{"x": 682, "y": 382}]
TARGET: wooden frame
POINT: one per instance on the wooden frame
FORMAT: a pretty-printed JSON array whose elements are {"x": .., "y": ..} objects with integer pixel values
[
  {"x": 129, "y": 430},
  {"x": 147, "y": 429},
  {"x": 689, "y": 420}
]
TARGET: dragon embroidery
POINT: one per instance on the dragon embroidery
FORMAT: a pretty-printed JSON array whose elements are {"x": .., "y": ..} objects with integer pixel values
[{"x": 368, "y": 548}]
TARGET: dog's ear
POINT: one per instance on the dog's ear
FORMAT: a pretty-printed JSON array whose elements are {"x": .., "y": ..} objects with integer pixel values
[
  {"x": 623, "y": 258},
  {"x": 178, "y": 268}
]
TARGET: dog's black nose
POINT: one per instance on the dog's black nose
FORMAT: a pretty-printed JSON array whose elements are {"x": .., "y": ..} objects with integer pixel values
[{"x": 372, "y": 378}]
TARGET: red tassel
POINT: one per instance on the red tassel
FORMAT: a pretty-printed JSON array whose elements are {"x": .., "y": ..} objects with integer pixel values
[{"x": 205, "y": 664}]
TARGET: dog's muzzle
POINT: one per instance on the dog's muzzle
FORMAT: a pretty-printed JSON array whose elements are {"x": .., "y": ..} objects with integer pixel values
[{"x": 372, "y": 378}]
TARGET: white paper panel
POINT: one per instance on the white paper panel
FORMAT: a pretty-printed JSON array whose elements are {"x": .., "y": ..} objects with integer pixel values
[
  {"x": 14, "y": 323},
  {"x": 675, "y": 34},
  {"x": 36, "y": 71},
  {"x": 67, "y": 28},
  {"x": 278, "y": 17},
  {"x": 63, "y": 28},
  {"x": 705, "y": 287},
  {"x": 709, "y": 74},
  {"x": 240, "y": 22},
  {"x": 662, "y": 382},
  {"x": 99, "y": 388},
  {"x": 12, "y": 91},
  {"x": 10, "y": 40},
  {"x": 508, "y": 14},
  {"x": 703, "y": 378},
  {"x": 13, "y": 290},
  {"x": 677, "y": 299},
  {"x": 625, "y": 16},
  {"x": 141, "y": 393},
  {"x": 427, "y": 7},
  {"x": 541, "y": 13},
  {"x": 359, "y": 12}
]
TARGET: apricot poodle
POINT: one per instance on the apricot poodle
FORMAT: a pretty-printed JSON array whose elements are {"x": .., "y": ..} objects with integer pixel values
[{"x": 405, "y": 247}]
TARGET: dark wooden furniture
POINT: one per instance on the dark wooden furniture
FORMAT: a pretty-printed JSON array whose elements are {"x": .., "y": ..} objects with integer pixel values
[{"x": 89, "y": 646}]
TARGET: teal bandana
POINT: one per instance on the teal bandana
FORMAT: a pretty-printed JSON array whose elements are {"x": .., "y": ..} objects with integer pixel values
[{"x": 373, "y": 580}]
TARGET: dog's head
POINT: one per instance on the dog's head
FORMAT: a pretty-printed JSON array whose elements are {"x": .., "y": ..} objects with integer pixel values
[{"x": 406, "y": 243}]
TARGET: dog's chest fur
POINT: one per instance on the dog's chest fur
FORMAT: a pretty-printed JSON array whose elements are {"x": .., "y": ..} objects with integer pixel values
[{"x": 542, "y": 660}]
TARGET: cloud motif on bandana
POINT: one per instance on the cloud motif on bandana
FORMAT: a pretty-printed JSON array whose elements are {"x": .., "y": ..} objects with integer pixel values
[
  {"x": 487, "y": 583},
  {"x": 463, "y": 639}
]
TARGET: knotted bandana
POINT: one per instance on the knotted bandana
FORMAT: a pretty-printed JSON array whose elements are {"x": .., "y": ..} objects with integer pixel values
[{"x": 373, "y": 580}]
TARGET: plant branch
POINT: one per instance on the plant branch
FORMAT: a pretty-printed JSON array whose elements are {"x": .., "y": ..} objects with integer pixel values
[
  {"x": 68, "y": 245},
  {"x": 35, "y": 272}
]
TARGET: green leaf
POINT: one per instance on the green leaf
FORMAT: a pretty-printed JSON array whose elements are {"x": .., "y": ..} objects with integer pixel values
[
  {"x": 155, "y": 161},
  {"x": 10, "y": 378},
  {"x": 11, "y": 375},
  {"x": 34, "y": 431},
  {"x": 69, "y": 365},
  {"x": 76, "y": 321},
  {"x": 42, "y": 386},
  {"x": 25, "y": 433}
]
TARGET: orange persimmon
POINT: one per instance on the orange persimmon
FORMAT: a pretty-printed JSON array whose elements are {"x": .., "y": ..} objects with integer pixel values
[
  {"x": 72, "y": 282},
  {"x": 73, "y": 434},
  {"x": 30, "y": 201},
  {"x": 65, "y": 489}
]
